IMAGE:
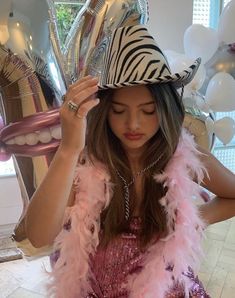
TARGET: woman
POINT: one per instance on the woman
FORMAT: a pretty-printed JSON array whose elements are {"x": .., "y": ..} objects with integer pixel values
[{"x": 128, "y": 173}]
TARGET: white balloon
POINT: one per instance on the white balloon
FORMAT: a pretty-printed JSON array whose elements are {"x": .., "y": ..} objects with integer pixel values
[
  {"x": 226, "y": 27},
  {"x": 220, "y": 93},
  {"x": 224, "y": 129},
  {"x": 200, "y": 41},
  {"x": 201, "y": 104},
  {"x": 182, "y": 62},
  {"x": 171, "y": 55}
]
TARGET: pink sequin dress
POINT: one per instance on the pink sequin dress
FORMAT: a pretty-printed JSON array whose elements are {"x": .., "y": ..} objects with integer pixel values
[
  {"x": 122, "y": 257},
  {"x": 112, "y": 265}
]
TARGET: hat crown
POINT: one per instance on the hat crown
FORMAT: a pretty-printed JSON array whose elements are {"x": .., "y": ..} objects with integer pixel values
[{"x": 131, "y": 56}]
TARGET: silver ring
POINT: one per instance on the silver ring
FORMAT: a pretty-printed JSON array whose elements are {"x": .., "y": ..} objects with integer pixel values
[
  {"x": 72, "y": 106},
  {"x": 63, "y": 98}
]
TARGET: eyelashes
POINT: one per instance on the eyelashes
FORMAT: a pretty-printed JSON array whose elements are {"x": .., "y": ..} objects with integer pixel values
[
  {"x": 149, "y": 113},
  {"x": 117, "y": 112},
  {"x": 145, "y": 112}
]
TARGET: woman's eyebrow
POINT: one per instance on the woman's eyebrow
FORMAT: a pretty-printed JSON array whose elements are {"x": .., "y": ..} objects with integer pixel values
[{"x": 142, "y": 104}]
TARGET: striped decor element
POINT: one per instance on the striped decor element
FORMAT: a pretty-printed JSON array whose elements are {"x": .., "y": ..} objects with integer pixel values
[{"x": 133, "y": 57}]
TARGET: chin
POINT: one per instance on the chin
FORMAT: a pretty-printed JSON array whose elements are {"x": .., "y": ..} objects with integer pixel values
[{"x": 134, "y": 145}]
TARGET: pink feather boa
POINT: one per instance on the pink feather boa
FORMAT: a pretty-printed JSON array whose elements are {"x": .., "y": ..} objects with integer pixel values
[{"x": 180, "y": 249}]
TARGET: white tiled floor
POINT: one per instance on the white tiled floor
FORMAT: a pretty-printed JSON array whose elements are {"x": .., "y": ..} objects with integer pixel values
[
  {"x": 218, "y": 269},
  {"x": 27, "y": 279},
  {"x": 24, "y": 279}
]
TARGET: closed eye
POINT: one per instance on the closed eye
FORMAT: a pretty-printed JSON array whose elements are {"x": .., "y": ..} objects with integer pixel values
[
  {"x": 117, "y": 112},
  {"x": 149, "y": 113}
]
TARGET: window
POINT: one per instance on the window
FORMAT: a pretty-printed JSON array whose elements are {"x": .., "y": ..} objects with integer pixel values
[
  {"x": 201, "y": 12},
  {"x": 226, "y": 154},
  {"x": 207, "y": 12}
]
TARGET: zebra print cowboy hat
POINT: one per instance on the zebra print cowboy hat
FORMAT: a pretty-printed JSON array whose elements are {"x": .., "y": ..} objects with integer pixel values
[{"x": 132, "y": 57}]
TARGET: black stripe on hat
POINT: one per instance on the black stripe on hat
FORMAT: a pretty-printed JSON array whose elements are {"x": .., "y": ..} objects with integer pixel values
[
  {"x": 133, "y": 69},
  {"x": 137, "y": 30},
  {"x": 133, "y": 50},
  {"x": 126, "y": 57},
  {"x": 147, "y": 67},
  {"x": 132, "y": 60}
]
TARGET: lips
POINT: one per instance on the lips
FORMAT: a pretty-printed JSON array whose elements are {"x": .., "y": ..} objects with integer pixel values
[
  {"x": 34, "y": 135},
  {"x": 130, "y": 136}
]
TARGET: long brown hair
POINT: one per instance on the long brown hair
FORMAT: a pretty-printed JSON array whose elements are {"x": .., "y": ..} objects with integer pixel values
[{"x": 104, "y": 146}]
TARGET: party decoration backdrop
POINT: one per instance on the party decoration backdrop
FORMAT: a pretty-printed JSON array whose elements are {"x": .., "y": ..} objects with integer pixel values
[
  {"x": 35, "y": 72},
  {"x": 213, "y": 88}
]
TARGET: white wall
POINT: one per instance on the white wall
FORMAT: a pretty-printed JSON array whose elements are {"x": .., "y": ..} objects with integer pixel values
[
  {"x": 168, "y": 21},
  {"x": 10, "y": 204}
]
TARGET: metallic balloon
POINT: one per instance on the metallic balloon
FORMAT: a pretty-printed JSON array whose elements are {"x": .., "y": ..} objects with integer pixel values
[
  {"x": 194, "y": 122},
  {"x": 222, "y": 61},
  {"x": 93, "y": 26},
  {"x": 35, "y": 73},
  {"x": 32, "y": 82},
  {"x": 32, "y": 76}
]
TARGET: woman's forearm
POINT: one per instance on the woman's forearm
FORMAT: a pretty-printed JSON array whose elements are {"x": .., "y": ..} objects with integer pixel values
[
  {"x": 45, "y": 213},
  {"x": 218, "y": 209}
]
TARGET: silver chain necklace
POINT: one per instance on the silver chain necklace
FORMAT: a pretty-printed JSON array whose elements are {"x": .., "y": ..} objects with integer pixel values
[{"x": 127, "y": 185}]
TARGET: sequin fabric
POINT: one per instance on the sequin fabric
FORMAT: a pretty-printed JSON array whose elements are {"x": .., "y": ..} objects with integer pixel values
[{"x": 112, "y": 265}]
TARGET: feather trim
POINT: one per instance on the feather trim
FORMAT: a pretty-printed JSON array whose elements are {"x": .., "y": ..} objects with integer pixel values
[
  {"x": 163, "y": 265},
  {"x": 170, "y": 257},
  {"x": 76, "y": 245}
]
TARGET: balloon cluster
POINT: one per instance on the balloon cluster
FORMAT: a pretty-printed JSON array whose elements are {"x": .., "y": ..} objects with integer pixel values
[
  {"x": 35, "y": 70},
  {"x": 213, "y": 88}
]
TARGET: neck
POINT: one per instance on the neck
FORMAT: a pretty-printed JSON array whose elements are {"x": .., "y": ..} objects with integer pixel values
[{"x": 134, "y": 157}]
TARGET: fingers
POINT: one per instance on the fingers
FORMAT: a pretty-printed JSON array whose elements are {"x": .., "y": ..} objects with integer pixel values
[
  {"x": 85, "y": 82},
  {"x": 85, "y": 95},
  {"x": 86, "y": 107},
  {"x": 81, "y": 98},
  {"x": 82, "y": 89}
]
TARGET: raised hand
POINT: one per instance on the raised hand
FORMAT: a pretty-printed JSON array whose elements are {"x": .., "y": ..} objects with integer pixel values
[{"x": 79, "y": 100}]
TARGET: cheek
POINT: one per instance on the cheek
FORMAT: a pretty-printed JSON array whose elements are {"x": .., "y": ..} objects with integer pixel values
[
  {"x": 153, "y": 125},
  {"x": 114, "y": 124}
]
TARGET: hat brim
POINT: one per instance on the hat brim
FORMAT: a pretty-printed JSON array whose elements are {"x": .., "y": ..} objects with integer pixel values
[{"x": 177, "y": 79}]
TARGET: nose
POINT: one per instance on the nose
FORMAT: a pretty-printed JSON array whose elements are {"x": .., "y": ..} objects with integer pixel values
[{"x": 133, "y": 121}]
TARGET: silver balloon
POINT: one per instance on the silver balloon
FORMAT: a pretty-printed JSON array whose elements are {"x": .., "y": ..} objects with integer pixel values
[
  {"x": 32, "y": 82},
  {"x": 194, "y": 122},
  {"x": 31, "y": 56},
  {"x": 32, "y": 72},
  {"x": 222, "y": 61},
  {"x": 93, "y": 26},
  {"x": 35, "y": 72}
]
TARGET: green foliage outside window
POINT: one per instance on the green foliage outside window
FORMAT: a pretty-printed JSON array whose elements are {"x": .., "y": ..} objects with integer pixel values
[{"x": 65, "y": 17}]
